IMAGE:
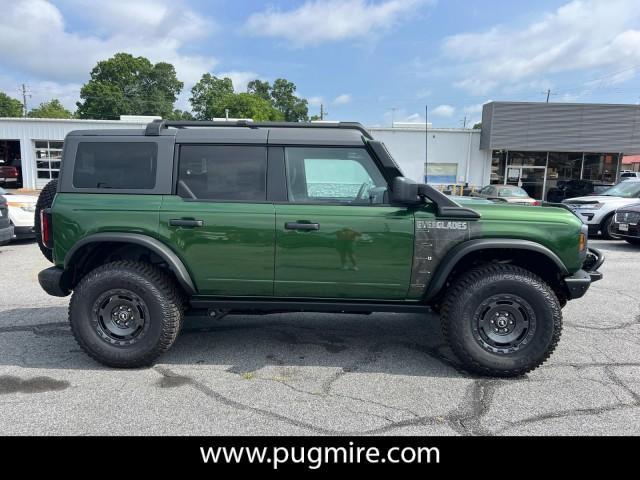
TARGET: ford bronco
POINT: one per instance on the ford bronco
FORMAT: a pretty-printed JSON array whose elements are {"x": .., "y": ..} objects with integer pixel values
[{"x": 148, "y": 226}]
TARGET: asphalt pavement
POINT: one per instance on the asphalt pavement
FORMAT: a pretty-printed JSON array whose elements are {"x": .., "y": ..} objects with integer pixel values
[{"x": 309, "y": 373}]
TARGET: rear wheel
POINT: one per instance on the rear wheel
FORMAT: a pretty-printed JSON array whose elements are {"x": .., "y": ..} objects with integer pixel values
[
  {"x": 45, "y": 200},
  {"x": 126, "y": 314},
  {"x": 501, "y": 320}
]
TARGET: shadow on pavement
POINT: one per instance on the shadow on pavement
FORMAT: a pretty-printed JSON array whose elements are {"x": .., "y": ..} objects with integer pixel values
[{"x": 396, "y": 344}]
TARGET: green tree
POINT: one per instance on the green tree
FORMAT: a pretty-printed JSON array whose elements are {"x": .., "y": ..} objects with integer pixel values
[
  {"x": 50, "y": 109},
  {"x": 477, "y": 126},
  {"x": 128, "y": 85},
  {"x": 248, "y": 105},
  {"x": 180, "y": 115},
  {"x": 293, "y": 108},
  {"x": 210, "y": 96},
  {"x": 260, "y": 88},
  {"x": 9, "y": 107}
]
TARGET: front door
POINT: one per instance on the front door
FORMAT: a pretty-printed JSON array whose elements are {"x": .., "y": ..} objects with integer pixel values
[
  {"x": 220, "y": 222},
  {"x": 337, "y": 237}
]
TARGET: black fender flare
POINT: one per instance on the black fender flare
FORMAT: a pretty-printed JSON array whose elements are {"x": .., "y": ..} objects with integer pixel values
[
  {"x": 458, "y": 252},
  {"x": 156, "y": 246}
]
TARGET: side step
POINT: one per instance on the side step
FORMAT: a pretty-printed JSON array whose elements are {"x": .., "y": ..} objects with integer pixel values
[{"x": 276, "y": 305}]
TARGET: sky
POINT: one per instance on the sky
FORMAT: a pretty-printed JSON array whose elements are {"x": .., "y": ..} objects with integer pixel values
[{"x": 372, "y": 61}]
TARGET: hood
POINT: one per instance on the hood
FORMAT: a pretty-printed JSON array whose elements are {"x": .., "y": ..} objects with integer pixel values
[
  {"x": 525, "y": 213},
  {"x": 602, "y": 199}
]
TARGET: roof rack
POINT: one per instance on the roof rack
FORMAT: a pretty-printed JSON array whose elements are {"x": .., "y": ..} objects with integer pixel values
[{"x": 154, "y": 128}]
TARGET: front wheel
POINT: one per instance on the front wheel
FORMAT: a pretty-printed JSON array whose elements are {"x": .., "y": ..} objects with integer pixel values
[
  {"x": 501, "y": 320},
  {"x": 605, "y": 228},
  {"x": 125, "y": 314}
]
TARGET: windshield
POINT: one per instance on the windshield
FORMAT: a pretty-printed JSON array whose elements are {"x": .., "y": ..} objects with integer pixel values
[
  {"x": 628, "y": 189},
  {"x": 512, "y": 192}
]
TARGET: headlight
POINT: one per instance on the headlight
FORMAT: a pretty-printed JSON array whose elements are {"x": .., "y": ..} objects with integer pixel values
[
  {"x": 587, "y": 206},
  {"x": 27, "y": 207}
]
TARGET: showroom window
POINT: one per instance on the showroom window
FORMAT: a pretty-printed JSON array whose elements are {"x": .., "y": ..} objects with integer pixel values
[{"x": 48, "y": 157}]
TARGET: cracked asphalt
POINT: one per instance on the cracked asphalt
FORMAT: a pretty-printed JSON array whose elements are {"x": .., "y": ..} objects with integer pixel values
[{"x": 320, "y": 374}]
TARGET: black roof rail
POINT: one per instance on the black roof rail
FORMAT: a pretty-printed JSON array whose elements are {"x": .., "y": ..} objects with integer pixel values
[{"x": 154, "y": 128}]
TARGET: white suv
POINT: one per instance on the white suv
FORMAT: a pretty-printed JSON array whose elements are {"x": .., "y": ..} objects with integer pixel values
[{"x": 597, "y": 210}]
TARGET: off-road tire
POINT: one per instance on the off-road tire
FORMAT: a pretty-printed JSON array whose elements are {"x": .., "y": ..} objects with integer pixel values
[
  {"x": 45, "y": 200},
  {"x": 605, "y": 228},
  {"x": 154, "y": 287},
  {"x": 459, "y": 314}
]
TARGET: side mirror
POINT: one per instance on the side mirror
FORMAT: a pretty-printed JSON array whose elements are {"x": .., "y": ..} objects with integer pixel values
[{"x": 405, "y": 191}]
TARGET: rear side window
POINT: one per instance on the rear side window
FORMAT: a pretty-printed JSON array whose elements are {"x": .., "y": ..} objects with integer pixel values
[
  {"x": 119, "y": 165},
  {"x": 221, "y": 172}
]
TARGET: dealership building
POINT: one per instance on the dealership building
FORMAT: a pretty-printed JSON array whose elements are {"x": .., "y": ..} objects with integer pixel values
[{"x": 534, "y": 145}]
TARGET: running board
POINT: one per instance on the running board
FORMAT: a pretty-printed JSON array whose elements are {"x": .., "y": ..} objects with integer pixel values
[{"x": 200, "y": 302}]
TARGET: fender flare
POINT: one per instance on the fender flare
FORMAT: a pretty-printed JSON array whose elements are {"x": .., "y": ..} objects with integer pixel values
[
  {"x": 156, "y": 246},
  {"x": 458, "y": 252}
]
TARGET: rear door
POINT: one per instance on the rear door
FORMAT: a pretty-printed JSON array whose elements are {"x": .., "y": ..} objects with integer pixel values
[
  {"x": 219, "y": 220},
  {"x": 336, "y": 236}
]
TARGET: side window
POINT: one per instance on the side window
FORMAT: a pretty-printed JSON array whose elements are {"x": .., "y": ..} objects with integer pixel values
[
  {"x": 223, "y": 172},
  {"x": 333, "y": 175},
  {"x": 119, "y": 165}
]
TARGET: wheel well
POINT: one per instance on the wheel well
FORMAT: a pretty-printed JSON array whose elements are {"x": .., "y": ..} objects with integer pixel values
[
  {"x": 535, "y": 262},
  {"x": 92, "y": 255}
]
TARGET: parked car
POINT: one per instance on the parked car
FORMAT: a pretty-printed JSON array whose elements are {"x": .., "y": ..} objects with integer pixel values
[
  {"x": 506, "y": 193},
  {"x": 597, "y": 211},
  {"x": 21, "y": 209},
  {"x": 9, "y": 173},
  {"x": 168, "y": 221},
  {"x": 6, "y": 229},
  {"x": 627, "y": 175},
  {"x": 626, "y": 224},
  {"x": 575, "y": 188}
]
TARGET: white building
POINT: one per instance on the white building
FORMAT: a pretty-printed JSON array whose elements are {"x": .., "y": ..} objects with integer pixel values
[
  {"x": 35, "y": 144},
  {"x": 453, "y": 156}
]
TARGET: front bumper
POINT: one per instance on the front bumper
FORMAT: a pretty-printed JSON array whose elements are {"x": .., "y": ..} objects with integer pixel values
[
  {"x": 578, "y": 283},
  {"x": 6, "y": 234},
  {"x": 52, "y": 281}
]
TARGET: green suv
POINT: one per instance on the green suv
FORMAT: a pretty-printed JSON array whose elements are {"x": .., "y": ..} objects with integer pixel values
[{"x": 149, "y": 226}]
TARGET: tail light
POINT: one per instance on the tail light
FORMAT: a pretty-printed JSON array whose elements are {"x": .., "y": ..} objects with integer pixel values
[{"x": 46, "y": 231}]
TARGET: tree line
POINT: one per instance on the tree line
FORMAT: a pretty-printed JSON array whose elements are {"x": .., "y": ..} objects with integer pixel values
[{"x": 128, "y": 85}]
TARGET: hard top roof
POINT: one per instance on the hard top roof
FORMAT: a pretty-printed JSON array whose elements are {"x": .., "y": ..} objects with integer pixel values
[{"x": 275, "y": 133}]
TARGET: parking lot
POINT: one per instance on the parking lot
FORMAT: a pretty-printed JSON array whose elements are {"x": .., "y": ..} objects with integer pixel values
[{"x": 317, "y": 373}]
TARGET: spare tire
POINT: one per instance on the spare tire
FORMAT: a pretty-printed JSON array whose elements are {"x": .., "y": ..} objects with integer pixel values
[{"x": 45, "y": 200}]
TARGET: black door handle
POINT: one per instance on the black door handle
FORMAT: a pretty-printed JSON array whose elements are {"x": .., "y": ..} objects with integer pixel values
[
  {"x": 301, "y": 226},
  {"x": 183, "y": 222}
]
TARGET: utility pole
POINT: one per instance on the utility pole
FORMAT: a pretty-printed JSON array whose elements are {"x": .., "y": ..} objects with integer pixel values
[
  {"x": 322, "y": 113},
  {"x": 426, "y": 142},
  {"x": 24, "y": 99},
  {"x": 464, "y": 122},
  {"x": 548, "y": 93}
]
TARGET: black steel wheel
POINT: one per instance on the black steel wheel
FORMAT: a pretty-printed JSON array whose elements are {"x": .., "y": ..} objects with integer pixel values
[
  {"x": 125, "y": 314},
  {"x": 120, "y": 317},
  {"x": 501, "y": 320},
  {"x": 504, "y": 323}
]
